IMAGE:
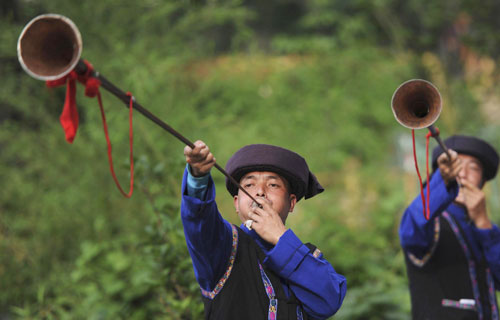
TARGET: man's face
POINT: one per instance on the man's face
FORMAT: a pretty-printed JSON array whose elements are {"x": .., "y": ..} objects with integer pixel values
[
  {"x": 267, "y": 185},
  {"x": 472, "y": 170}
]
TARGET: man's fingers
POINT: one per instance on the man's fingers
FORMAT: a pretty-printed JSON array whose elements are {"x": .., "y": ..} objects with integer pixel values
[
  {"x": 460, "y": 200},
  {"x": 198, "y": 147},
  {"x": 265, "y": 211},
  {"x": 206, "y": 167},
  {"x": 200, "y": 153},
  {"x": 467, "y": 185},
  {"x": 455, "y": 171},
  {"x": 210, "y": 157},
  {"x": 263, "y": 201},
  {"x": 188, "y": 151},
  {"x": 443, "y": 158},
  {"x": 198, "y": 144},
  {"x": 255, "y": 216}
]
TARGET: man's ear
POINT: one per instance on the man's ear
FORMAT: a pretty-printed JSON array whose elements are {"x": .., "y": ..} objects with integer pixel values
[
  {"x": 293, "y": 201},
  {"x": 236, "y": 205}
]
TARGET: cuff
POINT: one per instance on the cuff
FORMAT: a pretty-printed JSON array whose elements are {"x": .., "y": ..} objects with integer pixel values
[
  {"x": 191, "y": 204},
  {"x": 286, "y": 255},
  {"x": 488, "y": 237},
  {"x": 196, "y": 186},
  {"x": 196, "y": 182}
]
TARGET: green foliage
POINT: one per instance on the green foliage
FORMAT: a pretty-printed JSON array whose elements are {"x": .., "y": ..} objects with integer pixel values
[{"x": 315, "y": 77}]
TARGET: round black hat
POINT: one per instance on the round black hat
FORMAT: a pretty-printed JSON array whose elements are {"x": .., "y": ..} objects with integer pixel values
[
  {"x": 474, "y": 147},
  {"x": 286, "y": 163}
]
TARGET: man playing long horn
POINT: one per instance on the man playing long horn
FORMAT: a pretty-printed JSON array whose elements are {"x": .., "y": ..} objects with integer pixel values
[
  {"x": 260, "y": 270},
  {"x": 453, "y": 259}
]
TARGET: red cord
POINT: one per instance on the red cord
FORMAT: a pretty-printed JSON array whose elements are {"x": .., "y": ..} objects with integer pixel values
[
  {"x": 69, "y": 116},
  {"x": 110, "y": 157},
  {"x": 425, "y": 204},
  {"x": 427, "y": 139}
]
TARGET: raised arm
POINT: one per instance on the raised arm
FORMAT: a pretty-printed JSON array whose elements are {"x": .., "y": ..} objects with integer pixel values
[
  {"x": 208, "y": 235},
  {"x": 415, "y": 232}
]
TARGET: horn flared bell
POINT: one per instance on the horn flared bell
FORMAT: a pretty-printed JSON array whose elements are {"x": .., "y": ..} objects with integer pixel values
[
  {"x": 49, "y": 47},
  {"x": 416, "y": 104}
]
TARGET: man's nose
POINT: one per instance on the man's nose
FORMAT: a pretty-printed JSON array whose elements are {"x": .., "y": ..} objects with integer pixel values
[
  {"x": 260, "y": 192},
  {"x": 463, "y": 172}
]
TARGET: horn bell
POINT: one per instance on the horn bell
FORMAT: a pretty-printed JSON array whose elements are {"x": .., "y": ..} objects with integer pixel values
[
  {"x": 49, "y": 47},
  {"x": 416, "y": 104}
]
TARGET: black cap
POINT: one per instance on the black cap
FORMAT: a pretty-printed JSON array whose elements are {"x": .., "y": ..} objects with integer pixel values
[
  {"x": 286, "y": 163},
  {"x": 472, "y": 146}
]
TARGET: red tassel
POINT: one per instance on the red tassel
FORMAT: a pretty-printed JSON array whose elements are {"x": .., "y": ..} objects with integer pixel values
[{"x": 69, "y": 115}]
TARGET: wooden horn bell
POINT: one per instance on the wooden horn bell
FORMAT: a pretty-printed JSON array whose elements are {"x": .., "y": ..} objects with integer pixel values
[
  {"x": 416, "y": 104},
  {"x": 49, "y": 47}
]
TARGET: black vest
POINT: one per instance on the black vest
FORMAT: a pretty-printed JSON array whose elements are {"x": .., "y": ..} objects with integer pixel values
[
  {"x": 449, "y": 273},
  {"x": 240, "y": 294}
]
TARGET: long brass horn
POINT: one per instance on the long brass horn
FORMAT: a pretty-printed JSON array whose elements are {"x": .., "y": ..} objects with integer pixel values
[
  {"x": 417, "y": 104},
  {"x": 50, "y": 47}
]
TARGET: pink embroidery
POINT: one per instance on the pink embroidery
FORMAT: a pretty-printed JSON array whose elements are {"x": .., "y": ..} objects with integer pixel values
[
  {"x": 273, "y": 302},
  {"x": 222, "y": 281},
  {"x": 421, "y": 262}
]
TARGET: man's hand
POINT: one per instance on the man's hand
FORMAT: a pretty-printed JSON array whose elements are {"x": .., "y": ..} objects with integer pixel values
[
  {"x": 200, "y": 159},
  {"x": 449, "y": 168},
  {"x": 474, "y": 200},
  {"x": 267, "y": 222}
]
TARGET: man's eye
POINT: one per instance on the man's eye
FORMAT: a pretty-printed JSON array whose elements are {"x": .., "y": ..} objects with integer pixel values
[
  {"x": 274, "y": 185},
  {"x": 474, "y": 167},
  {"x": 247, "y": 185}
]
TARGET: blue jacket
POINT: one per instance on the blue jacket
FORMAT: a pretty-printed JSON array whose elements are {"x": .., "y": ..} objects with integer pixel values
[
  {"x": 209, "y": 237},
  {"x": 416, "y": 233}
]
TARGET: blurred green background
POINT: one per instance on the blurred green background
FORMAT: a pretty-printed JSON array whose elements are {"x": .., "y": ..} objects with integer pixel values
[{"x": 314, "y": 76}]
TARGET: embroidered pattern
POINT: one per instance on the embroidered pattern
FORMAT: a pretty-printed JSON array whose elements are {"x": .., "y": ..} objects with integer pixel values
[
  {"x": 421, "y": 262},
  {"x": 457, "y": 304},
  {"x": 273, "y": 302},
  {"x": 218, "y": 287},
  {"x": 316, "y": 253},
  {"x": 299, "y": 314},
  {"x": 492, "y": 295},
  {"x": 472, "y": 264}
]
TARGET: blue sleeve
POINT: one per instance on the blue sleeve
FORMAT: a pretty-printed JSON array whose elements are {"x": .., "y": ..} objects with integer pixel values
[
  {"x": 208, "y": 235},
  {"x": 415, "y": 232},
  {"x": 311, "y": 277},
  {"x": 490, "y": 242}
]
